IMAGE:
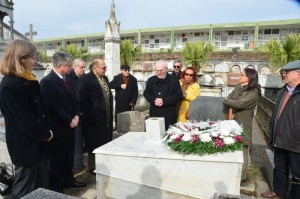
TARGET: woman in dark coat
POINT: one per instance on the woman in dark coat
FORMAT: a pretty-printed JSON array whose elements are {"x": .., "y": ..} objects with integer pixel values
[
  {"x": 25, "y": 123},
  {"x": 243, "y": 100}
]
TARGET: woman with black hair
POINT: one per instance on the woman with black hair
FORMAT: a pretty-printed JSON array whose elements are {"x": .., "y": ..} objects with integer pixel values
[{"x": 243, "y": 100}]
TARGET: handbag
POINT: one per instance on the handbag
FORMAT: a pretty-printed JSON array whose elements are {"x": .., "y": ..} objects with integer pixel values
[{"x": 6, "y": 180}]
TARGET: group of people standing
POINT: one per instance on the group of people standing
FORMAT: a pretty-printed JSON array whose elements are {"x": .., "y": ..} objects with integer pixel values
[{"x": 42, "y": 118}]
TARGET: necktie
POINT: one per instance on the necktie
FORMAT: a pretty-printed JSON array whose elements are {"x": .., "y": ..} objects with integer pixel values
[{"x": 67, "y": 86}]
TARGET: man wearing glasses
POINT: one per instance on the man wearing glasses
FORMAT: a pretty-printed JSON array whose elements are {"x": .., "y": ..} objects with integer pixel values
[
  {"x": 126, "y": 89},
  {"x": 177, "y": 65},
  {"x": 285, "y": 135},
  {"x": 95, "y": 106}
]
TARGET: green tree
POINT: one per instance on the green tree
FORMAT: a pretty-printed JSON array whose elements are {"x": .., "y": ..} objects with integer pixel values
[
  {"x": 76, "y": 52},
  {"x": 281, "y": 52},
  {"x": 41, "y": 57},
  {"x": 128, "y": 52},
  {"x": 195, "y": 54}
]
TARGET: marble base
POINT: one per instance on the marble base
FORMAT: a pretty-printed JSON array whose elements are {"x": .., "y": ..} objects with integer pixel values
[{"x": 132, "y": 167}]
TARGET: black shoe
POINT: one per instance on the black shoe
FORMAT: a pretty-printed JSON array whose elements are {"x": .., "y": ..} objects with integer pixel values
[{"x": 76, "y": 184}]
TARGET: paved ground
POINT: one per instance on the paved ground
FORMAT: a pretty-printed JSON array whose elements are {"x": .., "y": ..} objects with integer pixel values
[{"x": 254, "y": 185}]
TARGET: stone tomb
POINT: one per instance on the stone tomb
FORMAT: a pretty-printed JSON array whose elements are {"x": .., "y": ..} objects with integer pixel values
[{"x": 138, "y": 165}]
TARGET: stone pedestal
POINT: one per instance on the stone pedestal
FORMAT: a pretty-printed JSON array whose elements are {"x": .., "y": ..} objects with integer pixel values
[{"x": 132, "y": 166}]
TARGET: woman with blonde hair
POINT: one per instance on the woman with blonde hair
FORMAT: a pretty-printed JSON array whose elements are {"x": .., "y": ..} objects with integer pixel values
[
  {"x": 190, "y": 89},
  {"x": 26, "y": 131}
]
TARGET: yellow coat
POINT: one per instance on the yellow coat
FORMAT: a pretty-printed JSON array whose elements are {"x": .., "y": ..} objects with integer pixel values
[{"x": 192, "y": 93}]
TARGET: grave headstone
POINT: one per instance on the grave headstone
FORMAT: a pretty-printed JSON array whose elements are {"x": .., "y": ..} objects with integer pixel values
[
  {"x": 207, "y": 108},
  {"x": 131, "y": 121}
]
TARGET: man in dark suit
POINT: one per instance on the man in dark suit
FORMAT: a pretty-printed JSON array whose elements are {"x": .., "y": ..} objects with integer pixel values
[
  {"x": 60, "y": 97},
  {"x": 163, "y": 92},
  {"x": 75, "y": 74},
  {"x": 126, "y": 89},
  {"x": 95, "y": 104}
]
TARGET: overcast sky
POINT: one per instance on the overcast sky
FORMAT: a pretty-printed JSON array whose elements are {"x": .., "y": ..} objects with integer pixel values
[{"x": 58, "y": 18}]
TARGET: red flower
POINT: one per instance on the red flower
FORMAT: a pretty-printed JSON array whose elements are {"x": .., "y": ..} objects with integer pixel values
[
  {"x": 219, "y": 143},
  {"x": 195, "y": 138},
  {"x": 178, "y": 139},
  {"x": 238, "y": 138}
]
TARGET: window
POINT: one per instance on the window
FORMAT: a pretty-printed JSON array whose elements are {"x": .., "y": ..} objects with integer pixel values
[
  {"x": 151, "y": 36},
  {"x": 275, "y": 31},
  {"x": 156, "y": 41},
  {"x": 268, "y": 31},
  {"x": 230, "y": 32}
]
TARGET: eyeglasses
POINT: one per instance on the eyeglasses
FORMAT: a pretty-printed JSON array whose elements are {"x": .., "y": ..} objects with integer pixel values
[
  {"x": 103, "y": 67},
  {"x": 176, "y": 66},
  {"x": 126, "y": 70},
  {"x": 187, "y": 74}
]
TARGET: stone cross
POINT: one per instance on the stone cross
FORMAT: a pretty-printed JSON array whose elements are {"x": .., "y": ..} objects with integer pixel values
[{"x": 30, "y": 34}]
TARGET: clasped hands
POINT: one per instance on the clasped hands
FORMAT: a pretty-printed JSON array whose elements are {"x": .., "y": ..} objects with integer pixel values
[{"x": 159, "y": 102}]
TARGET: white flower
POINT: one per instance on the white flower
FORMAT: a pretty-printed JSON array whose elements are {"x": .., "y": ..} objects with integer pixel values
[
  {"x": 205, "y": 137},
  {"x": 187, "y": 137},
  {"x": 215, "y": 133},
  {"x": 229, "y": 140},
  {"x": 224, "y": 132}
]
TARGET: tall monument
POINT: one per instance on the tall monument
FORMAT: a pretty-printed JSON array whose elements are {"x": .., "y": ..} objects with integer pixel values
[{"x": 112, "y": 44}]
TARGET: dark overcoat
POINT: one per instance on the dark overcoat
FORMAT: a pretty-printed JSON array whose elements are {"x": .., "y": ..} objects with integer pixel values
[
  {"x": 243, "y": 104},
  {"x": 92, "y": 107},
  {"x": 170, "y": 91},
  {"x": 25, "y": 123},
  {"x": 124, "y": 96},
  {"x": 62, "y": 106}
]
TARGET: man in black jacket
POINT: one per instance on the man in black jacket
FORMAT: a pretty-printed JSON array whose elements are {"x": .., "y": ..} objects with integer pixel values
[
  {"x": 126, "y": 89},
  {"x": 59, "y": 93},
  {"x": 95, "y": 104},
  {"x": 285, "y": 136},
  {"x": 163, "y": 92}
]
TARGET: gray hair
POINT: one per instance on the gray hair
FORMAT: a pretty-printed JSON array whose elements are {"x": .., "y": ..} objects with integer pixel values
[
  {"x": 177, "y": 61},
  {"x": 163, "y": 63},
  {"x": 77, "y": 61},
  {"x": 61, "y": 58}
]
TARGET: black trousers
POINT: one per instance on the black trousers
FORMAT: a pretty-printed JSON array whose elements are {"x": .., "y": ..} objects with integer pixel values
[
  {"x": 61, "y": 162},
  {"x": 286, "y": 161},
  {"x": 29, "y": 178}
]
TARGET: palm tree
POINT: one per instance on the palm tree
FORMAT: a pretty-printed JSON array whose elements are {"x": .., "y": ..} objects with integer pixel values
[
  {"x": 195, "y": 54},
  {"x": 281, "y": 52},
  {"x": 81, "y": 53},
  {"x": 128, "y": 52}
]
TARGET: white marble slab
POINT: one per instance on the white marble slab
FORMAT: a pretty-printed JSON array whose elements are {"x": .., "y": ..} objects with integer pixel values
[{"x": 142, "y": 165}]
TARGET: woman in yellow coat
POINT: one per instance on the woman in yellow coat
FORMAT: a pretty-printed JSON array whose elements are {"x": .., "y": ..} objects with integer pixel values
[{"x": 190, "y": 89}]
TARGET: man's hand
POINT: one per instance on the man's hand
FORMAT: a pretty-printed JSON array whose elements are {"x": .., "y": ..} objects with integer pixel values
[
  {"x": 159, "y": 102},
  {"x": 123, "y": 86},
  {"x": 74, "y": 122}
]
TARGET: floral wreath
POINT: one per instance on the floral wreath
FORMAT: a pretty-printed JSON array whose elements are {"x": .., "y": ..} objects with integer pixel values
[{"x": 208, "y": 137}]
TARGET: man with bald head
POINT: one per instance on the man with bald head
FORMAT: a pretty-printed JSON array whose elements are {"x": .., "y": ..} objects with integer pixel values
[
  {"x": 95, "y": 106},
  {"x": 163, "y": 92}
]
